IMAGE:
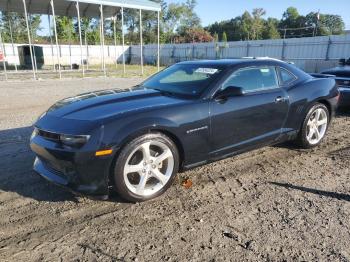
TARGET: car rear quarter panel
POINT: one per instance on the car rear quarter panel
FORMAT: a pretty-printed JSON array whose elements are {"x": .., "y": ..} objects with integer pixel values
[{"x": 303, "y": 95}]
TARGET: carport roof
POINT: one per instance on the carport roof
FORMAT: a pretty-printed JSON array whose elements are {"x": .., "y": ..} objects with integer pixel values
[{"x": 88, "y": 8}]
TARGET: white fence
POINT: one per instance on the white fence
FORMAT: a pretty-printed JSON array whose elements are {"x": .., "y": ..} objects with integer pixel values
[
  {"x": 311, "y": 54},
  {"x": 69, "y": 54}
]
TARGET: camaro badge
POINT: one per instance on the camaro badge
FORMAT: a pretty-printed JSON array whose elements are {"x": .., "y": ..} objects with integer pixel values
[{"x": 196, "y": 129}]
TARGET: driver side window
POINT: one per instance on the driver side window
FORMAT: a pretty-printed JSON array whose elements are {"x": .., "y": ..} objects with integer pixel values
[{"x": 252, "y": 79}]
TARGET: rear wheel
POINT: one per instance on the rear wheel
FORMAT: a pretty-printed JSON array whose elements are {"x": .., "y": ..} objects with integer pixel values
[
  {"x": 314, "y": 127},
  {"x": 146, "y": 167}
]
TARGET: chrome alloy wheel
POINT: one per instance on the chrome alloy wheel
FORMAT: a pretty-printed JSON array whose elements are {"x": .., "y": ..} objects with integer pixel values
[
  {"x": 316, "y": 126},
  {"x": 148, "y": 168}
]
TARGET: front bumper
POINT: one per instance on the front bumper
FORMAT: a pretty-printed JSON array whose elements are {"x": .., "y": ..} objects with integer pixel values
[
  {"x": 75, "y": 169},
  {"x": 344, "y": 99}
]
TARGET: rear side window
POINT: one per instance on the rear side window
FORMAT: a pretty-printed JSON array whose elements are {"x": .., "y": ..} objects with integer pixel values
[
  {"x": 253, "y": 79},
  {"x": 286, "y": 76}
]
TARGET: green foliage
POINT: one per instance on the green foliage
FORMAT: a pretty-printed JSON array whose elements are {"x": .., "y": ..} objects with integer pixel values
[
  {"x": 245, "y": 25},
  {"x": 65, "y": 29},
  {"x": 224, "y": 37},
  {"x": 331, "y": 25},
  {"x": 292, "y": 19},
  {"x": 19, "y": 28},
  {"x": 257, "y": 23},
  {"x": 253, "y": 26},
  {"x": 216, "y": 38},
  {"x": 179, "y": 19},
  {"x": 270, "y": 30},
  {"x": 178, "y": 23}
]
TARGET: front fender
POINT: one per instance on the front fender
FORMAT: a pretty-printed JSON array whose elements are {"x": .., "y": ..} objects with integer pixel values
[
  {"x": 189, "y": 125},
  {"x": 136, "y": 127}
]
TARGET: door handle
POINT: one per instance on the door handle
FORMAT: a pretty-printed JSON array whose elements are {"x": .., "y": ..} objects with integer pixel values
[{"x": 279, "y": 99}]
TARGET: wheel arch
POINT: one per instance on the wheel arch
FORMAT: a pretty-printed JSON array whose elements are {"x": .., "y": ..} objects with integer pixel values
[
  {"x": 328, "y": 105},
  {"x": 176, "y": 141},
  {"x": 174, "y": 138},
  {"x": 311, "y": 104}
]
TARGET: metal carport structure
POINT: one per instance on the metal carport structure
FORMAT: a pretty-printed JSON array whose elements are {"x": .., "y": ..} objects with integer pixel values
[{"x": 81, "y": 8}]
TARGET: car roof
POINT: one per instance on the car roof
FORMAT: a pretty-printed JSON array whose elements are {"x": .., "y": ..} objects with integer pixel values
[
  {"x": 231, "y": 62},
  {"x": 246, "y": 62}
]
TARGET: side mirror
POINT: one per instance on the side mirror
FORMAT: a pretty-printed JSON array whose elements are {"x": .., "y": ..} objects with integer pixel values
[{"x": 229, "y": 92}]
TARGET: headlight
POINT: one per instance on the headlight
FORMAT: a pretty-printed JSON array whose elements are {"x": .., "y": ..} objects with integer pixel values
[
  {"x": 35, "y": 132},
  {"x": 74, "y": 141}
]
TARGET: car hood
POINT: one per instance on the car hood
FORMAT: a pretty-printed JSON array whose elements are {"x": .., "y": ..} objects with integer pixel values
[{"x": 109, "y": 103}]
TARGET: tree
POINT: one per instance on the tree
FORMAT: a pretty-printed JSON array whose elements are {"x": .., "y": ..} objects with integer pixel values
[
  {"x": 65, "y": 29},
  {"x": 196, "y": 35},
  {"x": 179, "y": 18},
  {"x": 19, "y": 27},
  {"x": 331, "y": 24},
  {"x": 295, "y": 25},
  {"x": 192, "y": 19},
  {"x": 246, "y": 25},
  {"x": 216, "y": 38},
  {"x": 270, "y": 29},
  {"x": 224, "y": 37},
  {"x": 173, "y": 19},
  {"x": 309, "y": 25},
  {"x": 93, "y": 31},
  {"x": 291, "y": 14},
  {"x": 178, "y": 23},
  {"x": 257, "y": 24},
  {"x": 291, "y": 19}
]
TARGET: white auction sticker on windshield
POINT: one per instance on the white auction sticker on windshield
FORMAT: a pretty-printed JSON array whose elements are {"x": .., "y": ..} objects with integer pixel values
[
  {"x": 264, "y": 70},
  {"x": 209, "y": 71}
]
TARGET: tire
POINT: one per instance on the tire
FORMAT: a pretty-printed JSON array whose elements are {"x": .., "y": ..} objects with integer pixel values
[
  {"x": 308, "y": 137},
  {"x": 139, "y": 174}
]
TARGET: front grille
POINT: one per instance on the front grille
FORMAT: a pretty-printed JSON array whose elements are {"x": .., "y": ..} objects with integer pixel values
[{"x": 49, "y": 135}]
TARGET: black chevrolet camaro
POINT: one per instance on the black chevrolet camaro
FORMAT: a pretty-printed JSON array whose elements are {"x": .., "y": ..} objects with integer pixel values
[{"x": 136, "y": 140}]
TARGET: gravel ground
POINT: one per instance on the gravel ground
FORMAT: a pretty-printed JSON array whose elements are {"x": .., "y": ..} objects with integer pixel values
[{"x": 273, "y": 204}]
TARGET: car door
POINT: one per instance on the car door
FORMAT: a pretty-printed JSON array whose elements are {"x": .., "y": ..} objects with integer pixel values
[{"x": 254, "y": 118}]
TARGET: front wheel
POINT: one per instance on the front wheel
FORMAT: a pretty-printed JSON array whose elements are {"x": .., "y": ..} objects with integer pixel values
[
  {"x": 314, "y": 127},
  {"x": 146, "y": 167}
]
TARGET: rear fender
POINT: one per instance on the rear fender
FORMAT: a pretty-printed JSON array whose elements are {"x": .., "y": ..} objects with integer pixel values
[{"x": 305, "y": 94}]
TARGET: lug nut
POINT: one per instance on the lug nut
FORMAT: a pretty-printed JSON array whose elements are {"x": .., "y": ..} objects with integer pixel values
[
  {"x": 149, "y": 172},
  {"x": 143, "y": 170},
  {"x": 153, "y": 166}
]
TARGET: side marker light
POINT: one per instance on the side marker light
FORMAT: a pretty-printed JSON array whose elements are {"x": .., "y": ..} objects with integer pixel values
[{"x": 104, "y": 152}]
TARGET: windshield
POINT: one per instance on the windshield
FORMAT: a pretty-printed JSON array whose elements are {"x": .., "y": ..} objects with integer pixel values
[{"x": 183, "y": 79}]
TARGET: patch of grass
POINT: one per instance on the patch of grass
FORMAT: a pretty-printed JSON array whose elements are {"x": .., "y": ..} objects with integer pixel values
[{"x": 93, "y": 71}]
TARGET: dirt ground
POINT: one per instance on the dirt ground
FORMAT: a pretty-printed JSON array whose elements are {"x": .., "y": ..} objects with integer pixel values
[{"x": 273, "y": 204}]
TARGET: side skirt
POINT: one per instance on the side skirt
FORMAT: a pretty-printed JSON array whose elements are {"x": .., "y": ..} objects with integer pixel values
[{"x": 289, "y": 136}]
